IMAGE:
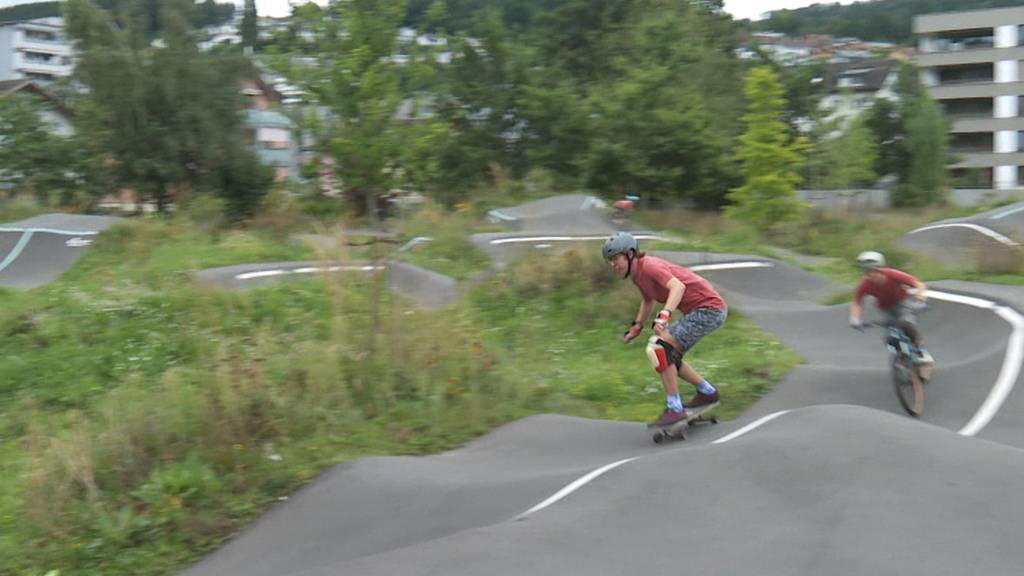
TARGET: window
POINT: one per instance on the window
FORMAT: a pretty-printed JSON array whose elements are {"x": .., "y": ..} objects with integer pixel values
[
  {"x": 38, "y": 57},
  {"x": 40, "y": 36}
]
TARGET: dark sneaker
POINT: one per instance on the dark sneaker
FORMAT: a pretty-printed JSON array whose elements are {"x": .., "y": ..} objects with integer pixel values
[
  {"x": 702, "y": 400},
  {"x": 668, "y": 418}
]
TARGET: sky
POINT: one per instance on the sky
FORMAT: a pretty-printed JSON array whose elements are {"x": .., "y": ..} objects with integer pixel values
[
  {"x": 738, "y": 8},
  {"x": 753, "y": 9}
]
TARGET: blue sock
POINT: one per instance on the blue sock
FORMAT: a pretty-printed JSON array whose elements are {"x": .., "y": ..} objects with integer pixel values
[
  {"x": 674, "y": 403},
  {"x": 705, "y": 387}
]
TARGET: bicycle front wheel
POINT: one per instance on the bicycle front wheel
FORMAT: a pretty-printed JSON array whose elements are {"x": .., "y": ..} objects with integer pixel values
[{"x": 908, "y": 385}]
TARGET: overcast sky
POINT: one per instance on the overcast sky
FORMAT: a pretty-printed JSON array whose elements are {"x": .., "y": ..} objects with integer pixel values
[
  {"x": 738, "y": 8},
  {"x": 754, "y": 8}
]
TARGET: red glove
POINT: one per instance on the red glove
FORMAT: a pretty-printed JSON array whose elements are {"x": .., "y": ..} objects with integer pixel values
[
  {"x": 634, "y": 330},
  {"x": 663, "y": 318}
]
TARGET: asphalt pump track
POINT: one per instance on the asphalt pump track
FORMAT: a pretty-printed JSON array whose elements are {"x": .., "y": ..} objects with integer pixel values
[{"x": 824, "y": 475}]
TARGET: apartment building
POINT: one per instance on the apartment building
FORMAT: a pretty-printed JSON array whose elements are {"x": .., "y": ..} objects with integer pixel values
[
  {"x": 971, "y": 62},
  {"x": 35, "y": 50}
]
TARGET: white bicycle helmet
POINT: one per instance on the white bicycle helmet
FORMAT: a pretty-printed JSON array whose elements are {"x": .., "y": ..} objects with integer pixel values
[{"x": 871, "y": 260}]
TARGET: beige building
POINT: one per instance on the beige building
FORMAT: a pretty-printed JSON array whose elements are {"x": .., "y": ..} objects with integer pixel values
[{"x": 971, "y": 62}]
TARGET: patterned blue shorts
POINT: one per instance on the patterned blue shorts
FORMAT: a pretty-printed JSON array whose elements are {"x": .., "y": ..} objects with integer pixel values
[{"x": 689, "y": 329}]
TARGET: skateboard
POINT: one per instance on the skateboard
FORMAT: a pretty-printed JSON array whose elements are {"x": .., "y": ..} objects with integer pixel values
[{"x": 678, "y": 430}]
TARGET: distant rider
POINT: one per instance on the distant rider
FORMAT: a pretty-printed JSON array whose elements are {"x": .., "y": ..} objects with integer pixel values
[
  {"x": 678, "y": 288},
  {"x": 890, "y": 287}
]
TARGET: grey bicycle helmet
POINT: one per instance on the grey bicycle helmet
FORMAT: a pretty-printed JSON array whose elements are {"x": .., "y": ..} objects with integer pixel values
[
  {"x": 871, "y": 260},
  {"x": 619, "y": 243}
]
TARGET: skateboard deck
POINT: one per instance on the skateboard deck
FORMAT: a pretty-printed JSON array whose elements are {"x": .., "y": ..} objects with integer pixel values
[{"x": 678, "y": 430}]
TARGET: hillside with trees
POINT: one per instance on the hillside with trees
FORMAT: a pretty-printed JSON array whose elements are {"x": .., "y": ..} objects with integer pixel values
[{"x": 879, "y": 20}]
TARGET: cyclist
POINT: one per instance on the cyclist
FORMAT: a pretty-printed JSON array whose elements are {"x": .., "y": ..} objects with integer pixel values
[
  {"x": 678, "y": 288},
  {"x": 890, "y": 286}
]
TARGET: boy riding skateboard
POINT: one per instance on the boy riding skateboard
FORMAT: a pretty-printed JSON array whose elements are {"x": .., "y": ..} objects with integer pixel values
[{"x": 677, "y": 288}]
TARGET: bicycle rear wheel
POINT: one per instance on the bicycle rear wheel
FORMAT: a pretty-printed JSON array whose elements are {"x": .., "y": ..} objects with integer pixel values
[{"x": 908, "y": 385}]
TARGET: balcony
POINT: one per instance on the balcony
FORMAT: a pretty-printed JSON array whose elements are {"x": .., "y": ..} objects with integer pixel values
[
  {"x": 969, "y": 109},
  {"x": 976, "y": 90},
  {"x": 967, "y": 57},
  {"x": 972, "y": 143},
  {"x": 55, "y": 48},
  {"x": 961, "y": 45},
  {"x": 945, "y": 76},
  {"x": 30, "y": 65}
]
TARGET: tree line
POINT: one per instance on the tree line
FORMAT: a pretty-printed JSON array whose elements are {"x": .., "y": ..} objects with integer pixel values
[
  {"x": 611, "y": 96},
  {"x": 879, "y": 20}
]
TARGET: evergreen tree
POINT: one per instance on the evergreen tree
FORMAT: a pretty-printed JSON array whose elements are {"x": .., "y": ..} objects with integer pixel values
[
  {"x": 249, "y": 28},
  {"x": 769, "y": 160}
]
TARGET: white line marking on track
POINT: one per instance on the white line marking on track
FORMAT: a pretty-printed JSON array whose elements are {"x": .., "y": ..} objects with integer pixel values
[
  {"x": 306, "y": 270},
  {"x": 22, "y": 242},
  {"x": 1010, "y": 370},
  {"x": 977, "y": 228},
  {"x": 51, "y": 231},
  {"x": 1002, "y": 215},
  {"x": 755, "y": 424},
  {"x": 730, "y": 266},
  {"x": 574, "y": 486},
  {"x": 564, "y": 239}
]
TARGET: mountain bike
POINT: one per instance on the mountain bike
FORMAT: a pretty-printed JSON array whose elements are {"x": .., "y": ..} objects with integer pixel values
[{"x": 908, "y": 376}]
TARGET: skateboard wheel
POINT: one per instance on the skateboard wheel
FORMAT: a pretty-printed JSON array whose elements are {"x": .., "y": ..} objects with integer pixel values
[
  {"x": 659, "y": 437},
  {"x": 714, "y": 419}
]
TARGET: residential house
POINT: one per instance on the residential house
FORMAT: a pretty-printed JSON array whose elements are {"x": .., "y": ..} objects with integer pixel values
[
  {"x": 57, "y": 117},
  {"x": 854, "y": 86},
  {"x": 269, "y": 131}
]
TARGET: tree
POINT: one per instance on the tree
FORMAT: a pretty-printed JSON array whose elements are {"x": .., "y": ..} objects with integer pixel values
[
  {"x": 927, "y": 146},
  {"x": 168, "y": 119},
  {"x": 249, "y": 30},
  {"x": 362, "y": 86},
  {"x": 769, "y": 160},
  {"x": 34, "y": 158},
  {"x": 850, "y": 158},
  {"x": 883, "y": 119}
]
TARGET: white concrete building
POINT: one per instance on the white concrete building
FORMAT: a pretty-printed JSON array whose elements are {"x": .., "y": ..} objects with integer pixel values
[
  {"x": 35, "y": 50},
  {"x": 972, "y": 63}
]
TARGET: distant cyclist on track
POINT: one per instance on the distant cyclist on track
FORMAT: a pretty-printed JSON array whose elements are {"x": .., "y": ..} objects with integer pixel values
[
  {"x": 678, "y": 288},
  {"x": 890, "y": 287}
]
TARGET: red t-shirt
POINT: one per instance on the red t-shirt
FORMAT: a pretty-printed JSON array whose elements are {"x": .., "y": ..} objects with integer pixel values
[
  {"x": 888, "y": 293},
  {"x": 651, "y": 275}
]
